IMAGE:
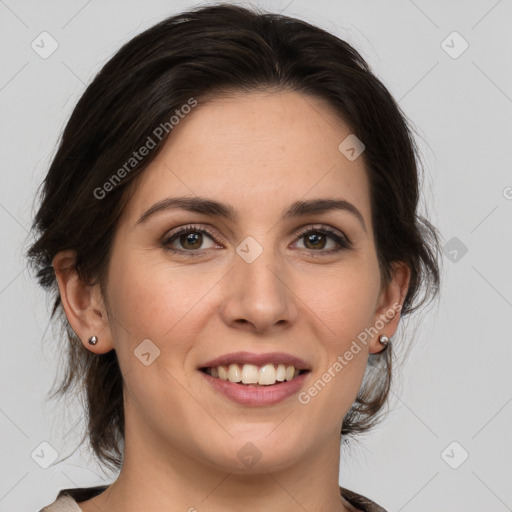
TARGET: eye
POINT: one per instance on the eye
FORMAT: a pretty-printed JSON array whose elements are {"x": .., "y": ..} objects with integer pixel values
[
  {"x": 316, "y": 240},
  {"x": 189, "y": 238}
]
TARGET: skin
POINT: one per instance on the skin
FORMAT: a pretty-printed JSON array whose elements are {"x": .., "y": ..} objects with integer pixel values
[{"x": 258, "y": 152}]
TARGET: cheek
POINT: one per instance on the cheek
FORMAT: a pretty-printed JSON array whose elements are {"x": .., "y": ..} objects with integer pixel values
[
  {"x": 157, "y": 301},
  {"x": 344, "y": 299},
  {"x": 346, "y": 309}
]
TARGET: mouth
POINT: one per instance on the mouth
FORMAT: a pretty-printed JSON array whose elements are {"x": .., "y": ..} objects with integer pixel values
[{"x": 253, "y": 375}]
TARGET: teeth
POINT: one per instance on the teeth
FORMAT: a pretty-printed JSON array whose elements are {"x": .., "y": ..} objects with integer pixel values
[
  {"x": 234, "y": 373},
  {"x": 249, "y": 374},
  {"x": 266, "y": 375},
  {"x": 223, "y": 374},
  {"x": 281, "y": 372}
]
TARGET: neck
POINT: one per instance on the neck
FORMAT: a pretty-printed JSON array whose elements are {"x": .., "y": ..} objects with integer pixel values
[{"x": 160, "y": 478}]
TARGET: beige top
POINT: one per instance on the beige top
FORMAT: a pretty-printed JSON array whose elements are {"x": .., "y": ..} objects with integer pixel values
[
  {"x": 66, "y": 503},
  {"x": 63, "y": 504}
]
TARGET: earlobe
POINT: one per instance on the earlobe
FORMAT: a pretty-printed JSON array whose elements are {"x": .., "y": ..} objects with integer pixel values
[
  {"x": 82, "y": 304},
  {"x": 391, "y": 300}
]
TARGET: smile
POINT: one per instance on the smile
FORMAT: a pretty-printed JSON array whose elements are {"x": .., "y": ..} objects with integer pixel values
[{"x": 254, "y": 375}]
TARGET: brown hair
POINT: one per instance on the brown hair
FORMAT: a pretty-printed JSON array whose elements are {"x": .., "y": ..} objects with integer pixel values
[{"x": 208, "y": 50}]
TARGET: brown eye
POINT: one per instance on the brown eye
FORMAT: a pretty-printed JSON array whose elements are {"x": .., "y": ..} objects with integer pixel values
[
  {"x": 191, "y": 240},
  {"x": 188, "y": 240},
  {"x": 324, "y": 240},
  {"x": 315, "y": 241}
]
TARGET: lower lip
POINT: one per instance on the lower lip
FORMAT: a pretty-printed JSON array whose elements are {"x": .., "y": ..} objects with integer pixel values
[{"x": 257, "y": 395}]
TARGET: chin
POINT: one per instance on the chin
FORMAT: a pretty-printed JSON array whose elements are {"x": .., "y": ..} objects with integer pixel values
[{"x": 253, "y": 454}]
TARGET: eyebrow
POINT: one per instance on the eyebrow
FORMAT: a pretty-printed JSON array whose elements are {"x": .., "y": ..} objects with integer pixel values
[{"x": 223, "y": 210}]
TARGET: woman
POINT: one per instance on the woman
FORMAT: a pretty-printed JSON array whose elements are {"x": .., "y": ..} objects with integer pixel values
[{"x": 230, "y": 230}]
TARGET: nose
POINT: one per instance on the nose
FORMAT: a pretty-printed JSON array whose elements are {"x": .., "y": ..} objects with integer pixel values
[{"x": 259, "y": 296}]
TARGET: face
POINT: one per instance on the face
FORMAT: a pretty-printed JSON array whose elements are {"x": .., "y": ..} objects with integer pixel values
[{"x": 192, "y": 286}]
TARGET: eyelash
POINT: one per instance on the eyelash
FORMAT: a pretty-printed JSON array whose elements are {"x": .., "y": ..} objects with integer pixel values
[{"x": 341, "y": 240}]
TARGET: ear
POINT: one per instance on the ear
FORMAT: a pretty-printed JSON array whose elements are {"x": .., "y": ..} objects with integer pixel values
[
  {"x": 83, "y": 304},
  {"x": 390, "y": 303}
]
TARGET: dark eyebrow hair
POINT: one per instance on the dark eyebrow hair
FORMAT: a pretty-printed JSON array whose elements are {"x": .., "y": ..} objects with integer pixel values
[{"x": 218, "y": 209}]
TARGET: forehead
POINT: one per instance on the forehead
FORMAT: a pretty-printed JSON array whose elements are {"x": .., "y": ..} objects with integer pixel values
[{"x": 254, "y": 150}]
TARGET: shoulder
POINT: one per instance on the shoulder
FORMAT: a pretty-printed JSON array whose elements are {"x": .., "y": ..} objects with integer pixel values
[
  {"x": 62, "y": 504},
  {"x": 361, "y": 502},
  {"x": 68, "y": 499}
]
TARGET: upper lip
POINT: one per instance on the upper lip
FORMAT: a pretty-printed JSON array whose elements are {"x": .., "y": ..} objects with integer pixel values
[{"x": 257, "y": 359}]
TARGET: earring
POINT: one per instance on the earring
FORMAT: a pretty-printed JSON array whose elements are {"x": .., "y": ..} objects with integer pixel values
[
  {"x": 93, "y": 340},
  {"x": 384, "y": 339}
]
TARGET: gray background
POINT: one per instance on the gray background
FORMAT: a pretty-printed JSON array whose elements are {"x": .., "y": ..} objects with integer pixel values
[{"x": 455, "y": 384}]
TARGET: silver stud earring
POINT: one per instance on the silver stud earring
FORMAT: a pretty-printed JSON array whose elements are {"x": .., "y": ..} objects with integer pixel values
[
  {"x": 93, "y": 340},
  {"x": 383, "y": 339}
]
